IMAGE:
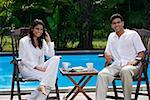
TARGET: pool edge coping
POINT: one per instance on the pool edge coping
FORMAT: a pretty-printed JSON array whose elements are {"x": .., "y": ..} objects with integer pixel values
[{"x": 68, "y": 89}]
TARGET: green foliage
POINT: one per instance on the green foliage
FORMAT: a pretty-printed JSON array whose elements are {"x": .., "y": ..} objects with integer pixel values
[
  {"x": 136, "y": 19},
  {"x": 5, "y": 13},
  {"x": 69, "y": 22},
  {"x": 6, "y": 44},
  {"x": 113, "y": 3},
  {"x": 5, "y": 3},
  {"x": 74, "y": 22},
  {"x": 54, "y": 21},
  {"x": 99, "y": 44}
]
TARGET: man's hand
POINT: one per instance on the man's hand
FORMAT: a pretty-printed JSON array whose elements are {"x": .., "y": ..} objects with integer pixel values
[
  {"x": 108, "y": 59},
  {"x": 133, "y": 63},
  {"x": 139, "y": 57}
]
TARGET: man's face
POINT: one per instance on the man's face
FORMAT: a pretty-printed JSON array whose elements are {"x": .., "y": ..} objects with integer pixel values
[{"x": 117, "y": 25}]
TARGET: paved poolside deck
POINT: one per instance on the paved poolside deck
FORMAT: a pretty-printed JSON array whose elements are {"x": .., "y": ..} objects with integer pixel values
[
  {"x": 5, "y": 94},
  {"x": 79, "y": 96}
]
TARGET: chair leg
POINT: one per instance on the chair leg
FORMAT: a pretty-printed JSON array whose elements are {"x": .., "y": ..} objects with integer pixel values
[
  {"x": 137, "y": 89},
  {"x": 57, "y": 90},
  {"x": 18, "y": 88},
  {"x": 148, "y": 89},
  {"x": 114, "y": 88},
  {"x": 12, "y": 87}
]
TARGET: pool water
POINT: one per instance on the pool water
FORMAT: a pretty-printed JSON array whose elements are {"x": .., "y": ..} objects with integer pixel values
[{"x": 6, "y": 70}]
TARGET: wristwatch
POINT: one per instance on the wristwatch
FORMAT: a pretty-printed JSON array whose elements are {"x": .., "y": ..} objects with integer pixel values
[{"x": 138, "y": 58}]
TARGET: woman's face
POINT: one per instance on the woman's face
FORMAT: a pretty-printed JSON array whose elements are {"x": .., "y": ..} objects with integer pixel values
[{"x": 38, "y": 30}]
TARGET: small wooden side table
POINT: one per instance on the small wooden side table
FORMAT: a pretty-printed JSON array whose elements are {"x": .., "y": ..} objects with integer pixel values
[{"x": 86, "y": 76}]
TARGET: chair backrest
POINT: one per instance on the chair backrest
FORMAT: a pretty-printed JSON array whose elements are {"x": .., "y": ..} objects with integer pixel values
[
  {"x": 16, "y": 35},
  {"x": 145, "y": 36}
]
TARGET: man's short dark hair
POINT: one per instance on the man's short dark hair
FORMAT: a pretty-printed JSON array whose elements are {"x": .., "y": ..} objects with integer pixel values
[{"x": 116, "y": 16}]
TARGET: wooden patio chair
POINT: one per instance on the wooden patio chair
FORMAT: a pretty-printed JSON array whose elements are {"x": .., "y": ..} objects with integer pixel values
[
  {"x": 15, "y": 36},
  {"x": 143, "y": 73}
]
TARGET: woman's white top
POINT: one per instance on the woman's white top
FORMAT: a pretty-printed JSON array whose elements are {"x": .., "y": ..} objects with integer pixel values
[{"x": 31, "y": 56}]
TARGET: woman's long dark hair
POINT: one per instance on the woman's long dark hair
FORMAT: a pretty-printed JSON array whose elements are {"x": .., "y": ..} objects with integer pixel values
[{"x": 40, "y": 39}]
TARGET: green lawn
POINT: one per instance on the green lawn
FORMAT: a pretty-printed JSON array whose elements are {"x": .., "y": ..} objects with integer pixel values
[
  {"x": 97, "y": 44},
  {"x": 100, "y": 44}
]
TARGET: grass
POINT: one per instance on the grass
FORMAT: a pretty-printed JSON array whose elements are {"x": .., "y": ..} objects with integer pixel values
[{"x": 97, "y": 44}]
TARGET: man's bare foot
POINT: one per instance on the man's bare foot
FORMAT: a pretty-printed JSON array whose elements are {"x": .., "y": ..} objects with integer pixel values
[{"x": 42, "y": 89}]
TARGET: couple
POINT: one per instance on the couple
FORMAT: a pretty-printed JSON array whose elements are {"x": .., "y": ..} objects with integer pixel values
[{"x": 123, "y": 47}]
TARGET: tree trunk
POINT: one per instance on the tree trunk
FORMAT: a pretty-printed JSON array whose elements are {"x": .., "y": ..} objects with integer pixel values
[{"x": 86, "y": 33}]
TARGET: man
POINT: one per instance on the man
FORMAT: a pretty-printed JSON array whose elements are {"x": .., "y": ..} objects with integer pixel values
[{"x": 123, "y": 48}]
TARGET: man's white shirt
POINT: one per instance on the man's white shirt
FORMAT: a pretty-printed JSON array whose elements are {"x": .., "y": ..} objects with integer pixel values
[{"x": 124, "y": 48}]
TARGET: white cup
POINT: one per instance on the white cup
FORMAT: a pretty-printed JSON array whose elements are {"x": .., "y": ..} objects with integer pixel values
[
  {"x": 89, "y": 66},
  {"x": 65, "y": 65}
]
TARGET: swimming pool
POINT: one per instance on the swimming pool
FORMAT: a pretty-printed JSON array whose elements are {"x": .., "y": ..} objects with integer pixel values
[{"x": 76, "y": 60}]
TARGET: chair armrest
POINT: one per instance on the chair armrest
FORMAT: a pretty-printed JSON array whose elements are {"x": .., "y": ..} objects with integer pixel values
[
  {"x": 59, "y": 56},
  {"x": 138, "y": 60},
  {"x": 18, "y": 59},
  {"x": 15, "y": 60},
  {"x": 47, "y": 57},
  {"x": 100, "y": 55}
]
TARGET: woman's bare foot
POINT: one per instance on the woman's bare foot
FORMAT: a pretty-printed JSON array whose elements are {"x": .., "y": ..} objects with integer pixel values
[
  {"x": 64, "y": 98},
  {"x": 42, "y": 89}
]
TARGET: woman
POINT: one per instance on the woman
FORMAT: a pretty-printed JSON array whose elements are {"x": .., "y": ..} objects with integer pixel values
[{"x": 32, "y": 49}]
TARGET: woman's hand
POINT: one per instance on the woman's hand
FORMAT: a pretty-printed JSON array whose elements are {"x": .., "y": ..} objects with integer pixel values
[
  {"x": 47, "y": 37},
  {"x": 43, "y": 69}
]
